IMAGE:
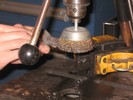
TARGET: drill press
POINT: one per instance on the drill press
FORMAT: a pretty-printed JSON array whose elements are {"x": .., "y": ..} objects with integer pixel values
[
  {"x": 73, "y": 39},
  {"x": 76, "y": 39}
]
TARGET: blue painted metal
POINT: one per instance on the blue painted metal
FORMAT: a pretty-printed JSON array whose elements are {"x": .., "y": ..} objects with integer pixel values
[{"x": 99, "y": 11}]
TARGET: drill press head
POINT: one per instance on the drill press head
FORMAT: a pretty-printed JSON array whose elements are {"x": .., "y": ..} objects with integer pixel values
[{"x": 76, "y": 39}]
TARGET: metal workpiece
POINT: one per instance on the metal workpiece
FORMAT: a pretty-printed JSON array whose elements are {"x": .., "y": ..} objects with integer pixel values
[
  {"x": 76, "y": 9},
  {"x": 49, "y": 40}
]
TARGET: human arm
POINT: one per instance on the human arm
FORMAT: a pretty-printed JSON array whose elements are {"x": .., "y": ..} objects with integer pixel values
[{"x": 11, "y": 39}]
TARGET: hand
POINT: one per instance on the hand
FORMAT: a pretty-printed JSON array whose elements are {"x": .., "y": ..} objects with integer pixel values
[
  {"x": 42, "y": 47},
  {"x": 11, "y": 39}
]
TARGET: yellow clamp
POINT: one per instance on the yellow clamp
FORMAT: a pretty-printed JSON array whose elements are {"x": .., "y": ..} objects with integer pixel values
[{"x": 113, "y": 62}]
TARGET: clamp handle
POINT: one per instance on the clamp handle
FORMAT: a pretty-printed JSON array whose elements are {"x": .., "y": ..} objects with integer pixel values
[{"x": 29, "y": 54}]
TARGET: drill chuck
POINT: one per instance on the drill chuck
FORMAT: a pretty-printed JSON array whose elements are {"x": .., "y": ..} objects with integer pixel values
[{"x": 76, "y": 9}]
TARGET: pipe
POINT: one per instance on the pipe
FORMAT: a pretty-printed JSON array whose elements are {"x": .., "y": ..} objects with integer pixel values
[{"x": 124, "y": 18}]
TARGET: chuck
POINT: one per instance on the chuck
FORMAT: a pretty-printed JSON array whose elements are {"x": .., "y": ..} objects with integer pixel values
[{"x": 76, "y": 9}]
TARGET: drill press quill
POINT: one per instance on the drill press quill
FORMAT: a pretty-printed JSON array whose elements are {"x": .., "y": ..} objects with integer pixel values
[{"x": 73, "y": 39}]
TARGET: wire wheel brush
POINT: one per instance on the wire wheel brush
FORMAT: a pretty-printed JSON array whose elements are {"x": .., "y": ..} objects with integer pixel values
[{"x": 71, "y": 40}]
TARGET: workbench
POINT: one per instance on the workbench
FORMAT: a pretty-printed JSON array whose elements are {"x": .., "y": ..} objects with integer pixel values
[{"x": 37, "y": 84}]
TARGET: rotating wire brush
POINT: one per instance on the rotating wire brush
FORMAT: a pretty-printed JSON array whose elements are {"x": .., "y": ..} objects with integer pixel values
[{"x": 72, "y": 41}]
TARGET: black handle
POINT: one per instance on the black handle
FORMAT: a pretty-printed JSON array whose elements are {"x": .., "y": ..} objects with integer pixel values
[{"x": 28, "y": 54}]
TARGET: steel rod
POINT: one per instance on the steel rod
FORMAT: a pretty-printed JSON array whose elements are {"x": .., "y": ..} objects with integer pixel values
[{"x": 39, "y": 23}]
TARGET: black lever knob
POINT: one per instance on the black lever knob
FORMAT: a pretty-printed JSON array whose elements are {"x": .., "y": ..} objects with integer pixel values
[{"x": 28, "y": 54}]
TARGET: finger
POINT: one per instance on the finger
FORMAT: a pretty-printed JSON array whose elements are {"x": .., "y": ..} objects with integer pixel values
[
  {"x": 5, "y": 36},
  {"x": 19, "y": 25},
  {"x": 26, "y": 27},
  {"x": 29, "y": 28},
  {"x": 8, "y": 28},
  {"x": 12, "y": 44},
  {"x": 44, "y": 48},
  {"x": 16, "y": 62}
]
